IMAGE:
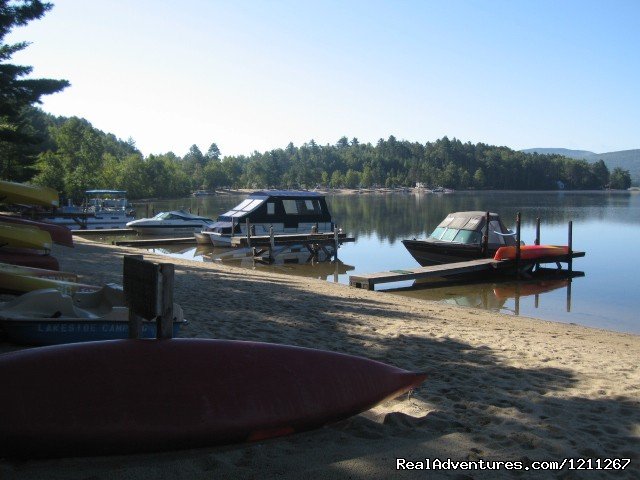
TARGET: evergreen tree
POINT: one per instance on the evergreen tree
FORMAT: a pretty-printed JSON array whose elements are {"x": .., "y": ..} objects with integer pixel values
[{"x": 17, "y": 94}]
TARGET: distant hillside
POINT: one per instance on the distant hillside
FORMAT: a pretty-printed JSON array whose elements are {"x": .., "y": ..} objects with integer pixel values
[{"x": 625, "y": 159}]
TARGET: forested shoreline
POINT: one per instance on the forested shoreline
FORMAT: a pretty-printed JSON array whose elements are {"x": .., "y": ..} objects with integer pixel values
[{"x": 73, "y": 156}]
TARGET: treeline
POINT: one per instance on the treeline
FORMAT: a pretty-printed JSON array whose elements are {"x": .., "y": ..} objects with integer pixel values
[{"x": 73, "y": 156}]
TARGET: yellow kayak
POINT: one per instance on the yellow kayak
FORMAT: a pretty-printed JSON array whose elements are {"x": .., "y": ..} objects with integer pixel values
[
  {"x": 13, "y": 282},
  {"x": 20, "y": 236},
  {"x": 38, "y": 272},
  {"x": 21, "y": 193}
]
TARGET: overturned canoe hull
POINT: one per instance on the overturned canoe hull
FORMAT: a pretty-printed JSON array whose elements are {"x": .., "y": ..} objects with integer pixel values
[
  {"x": 24, "y": 194},
  {"x": 127, "y": 396},
  {"x": 59, "y": 234}
]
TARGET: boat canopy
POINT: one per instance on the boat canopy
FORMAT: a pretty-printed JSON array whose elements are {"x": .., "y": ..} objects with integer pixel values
[
  {"x": 467, "y": 227},
  {"x": 106, "y": 192}
]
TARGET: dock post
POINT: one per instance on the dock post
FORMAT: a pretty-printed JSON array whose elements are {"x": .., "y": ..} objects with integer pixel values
[
  {"x": 518, "y": 218},
  {"x": 335, "y": 242},
  {"x": 147, "y": 211},
  {"x": 272, "y": 243},
  {"x": 135, "y": 321},
  {"x": 248, "y": 233},
  {"x": 570, "y": 245},
  {"x": 537, "y": 240},
  {"x": 164, "y": 323},
  {"x": 485, "y": 236}
]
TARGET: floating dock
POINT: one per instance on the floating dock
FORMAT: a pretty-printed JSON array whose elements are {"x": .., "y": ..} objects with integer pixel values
[
  {"x": 368, "y": 281},
  {"x": 104, "y": 231},
  {"x": 150, "y": 242}
]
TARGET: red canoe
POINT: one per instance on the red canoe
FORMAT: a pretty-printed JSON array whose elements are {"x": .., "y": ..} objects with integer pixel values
[
  {"x": 59, "y": 234},
  {"x": 28, "y": 258},
  {"x": 127, "y": 396}
]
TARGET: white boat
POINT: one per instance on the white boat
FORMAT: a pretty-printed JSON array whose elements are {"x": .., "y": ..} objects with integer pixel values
[
  {"x": 174, "y": 222},
  {"x": 287, "y": 212},
  {"x": 101, "y": 209}
]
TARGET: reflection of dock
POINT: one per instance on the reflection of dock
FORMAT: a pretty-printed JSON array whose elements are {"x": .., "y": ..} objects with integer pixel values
[{"x": 480, "y": 266}]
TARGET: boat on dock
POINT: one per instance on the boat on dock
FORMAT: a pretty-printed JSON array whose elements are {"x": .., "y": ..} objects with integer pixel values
[
  {"x": 49, "y": 317},
  {"x": 170, "y": 223},
  {"x": 281, "y": 211},
  {"x": 459, "y": 237},
  {"x": 102, "y": 209}
]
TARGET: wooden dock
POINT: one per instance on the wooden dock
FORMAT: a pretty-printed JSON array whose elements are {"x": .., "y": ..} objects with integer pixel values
[
  {"x": 368, "y": 281},
  {"x": 242, "y": 241},
  {"x": 103, "y": 231},
  {"x": 150, "y": 242}
]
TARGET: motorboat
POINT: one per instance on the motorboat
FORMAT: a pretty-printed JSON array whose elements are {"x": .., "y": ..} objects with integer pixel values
[
  {"x": 283, "y": 211},
  {"x": 459, "y": 237},
  {"x": 49, "y": 317},
  {"x": 173, "y": 222},
  {"x": 101, "y": 209}
]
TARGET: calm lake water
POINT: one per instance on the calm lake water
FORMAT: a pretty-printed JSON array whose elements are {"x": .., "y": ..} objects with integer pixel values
[{"x": 605, "y": 225}]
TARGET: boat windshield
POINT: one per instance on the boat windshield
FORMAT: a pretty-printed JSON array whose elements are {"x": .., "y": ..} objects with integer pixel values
[
  {"x": 456, "y": 235},
  {"x": 246, "y": 206}
]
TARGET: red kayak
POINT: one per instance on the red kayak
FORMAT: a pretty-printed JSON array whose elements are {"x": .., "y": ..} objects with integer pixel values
[
  {"x": 28, "y": 258},
  {"x": 531, "y": 252},
  {"x": 127, "y": 396},
  {"x": 59, "y": 234}
]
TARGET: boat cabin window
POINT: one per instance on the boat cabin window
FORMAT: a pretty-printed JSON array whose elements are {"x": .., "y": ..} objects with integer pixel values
[
  {"x": 302, "y": 207},
  {"x": 468, "y": 237},
  {"x": 290, "y": 207},
  {"x": 271, "y": 208},
  {"x": 449, "y": 235},
  {"x": 437, "y": 233}
]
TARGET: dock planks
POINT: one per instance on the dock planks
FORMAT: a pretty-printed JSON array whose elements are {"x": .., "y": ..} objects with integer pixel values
[{"x": 369, "y": 280}]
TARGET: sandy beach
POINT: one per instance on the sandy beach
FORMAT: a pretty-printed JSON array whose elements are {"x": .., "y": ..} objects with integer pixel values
[{"x": 500, "y": 388}]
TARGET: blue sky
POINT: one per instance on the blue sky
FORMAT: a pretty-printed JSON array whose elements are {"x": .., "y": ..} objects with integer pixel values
[{"x": 256, "y": 75}]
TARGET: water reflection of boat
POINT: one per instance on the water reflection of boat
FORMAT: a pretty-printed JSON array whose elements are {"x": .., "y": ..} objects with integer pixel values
[
  {"x": 294, "y": 261},
  {"x": 459, "y": 237},
  {"x": 487, "y": 296}
]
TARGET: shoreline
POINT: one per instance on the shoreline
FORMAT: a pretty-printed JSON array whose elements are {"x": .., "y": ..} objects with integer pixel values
[{"x": 499, "y": 387}]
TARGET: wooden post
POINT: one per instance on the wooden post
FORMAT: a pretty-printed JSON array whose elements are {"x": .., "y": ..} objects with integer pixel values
[
  {"x": 147, "y": 211},
  {"x": 518, "y": 218},
  {"x": 248, "y": 233},
  {"x": 233, "y": 227},
  {"x": 537, "y": 240},
  {"x": 335, "y": 242},
  {"x": 135, "y": 321},
  {"x": 164, "y": 323},
  {"x": 485, "y": 236},
  {"x": 570, "y": 245},
  {"x": 272, "y": 243}
]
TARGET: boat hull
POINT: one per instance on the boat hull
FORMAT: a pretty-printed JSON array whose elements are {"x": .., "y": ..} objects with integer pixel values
[
  {"x": 428, "y": 253},
  {"x": 61, "y": 331},
  {"x": 127, "y": 396},
  {"x": 21, "y": 236},
  {"x": 28, "y": 258},
  {"x": 166, "y": 230},
  {"x": 20, "y": 193}
]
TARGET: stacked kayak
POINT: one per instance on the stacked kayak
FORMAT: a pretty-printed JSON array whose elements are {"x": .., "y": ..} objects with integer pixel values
[
  {"x": 59, "y": 234},
  {"x": 27, "y": 242},
  {"x": 24, "y": 194},
  {"x": 22, "y": 281},
  {"x": 22, "y": 236}
]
